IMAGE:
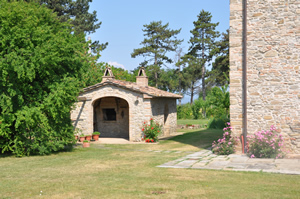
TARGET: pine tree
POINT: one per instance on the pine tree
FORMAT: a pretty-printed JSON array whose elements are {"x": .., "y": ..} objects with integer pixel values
[
  {"x": 81, "y": 20},
  {"x": 159, "y": 40},
  {"x": 220, "y": 67},
  {"x": 190, "y": 74},
  {"x": 203, "y": 41}
]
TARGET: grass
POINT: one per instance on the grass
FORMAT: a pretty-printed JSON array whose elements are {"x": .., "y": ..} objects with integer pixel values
[
  {"x": 191, "y": 121},
  {"x": 124, "y": 171}
]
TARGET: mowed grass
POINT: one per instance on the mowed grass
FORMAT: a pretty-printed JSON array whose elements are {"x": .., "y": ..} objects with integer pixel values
[
  {"x": 124, "y": 171},
  {"x": 191, "y": 121}
]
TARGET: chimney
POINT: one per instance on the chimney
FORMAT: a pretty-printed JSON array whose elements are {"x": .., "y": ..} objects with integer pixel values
[
  {"x": 142, "y": 79},
  {"x": 108, "y": 75}
]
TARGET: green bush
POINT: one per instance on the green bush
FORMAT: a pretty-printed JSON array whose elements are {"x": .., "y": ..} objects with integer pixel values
[
  {"x": 197, "y": 109},
  {"x": 218, "y": 123},
  {"x": 41, "y": 66},
  {"x": 184, "y": 111}
]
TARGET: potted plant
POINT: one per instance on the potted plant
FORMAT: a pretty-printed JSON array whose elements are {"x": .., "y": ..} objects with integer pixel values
[
  {"x": 86, "y": 143},
  {"x": 96, "y": 135},
  {"x": 82, "y": 137},
  {"x": 88, "y": 137}
]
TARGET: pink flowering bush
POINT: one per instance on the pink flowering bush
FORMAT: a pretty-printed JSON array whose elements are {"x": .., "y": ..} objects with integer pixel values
[
  {"x": 226, "y": 145},
  {"x": 151, "y": 131},
  {"x": 265, "y": 144}
]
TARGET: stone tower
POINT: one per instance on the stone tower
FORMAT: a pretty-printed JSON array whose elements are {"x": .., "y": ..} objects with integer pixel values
[{"x": 265, "y": 46}]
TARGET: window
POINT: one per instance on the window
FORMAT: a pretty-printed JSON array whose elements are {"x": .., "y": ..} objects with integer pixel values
[{"x": 109, "y": 114}]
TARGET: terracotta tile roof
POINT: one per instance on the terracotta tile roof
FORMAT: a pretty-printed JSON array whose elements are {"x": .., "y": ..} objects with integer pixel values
[{"x": 148, "y": 90}]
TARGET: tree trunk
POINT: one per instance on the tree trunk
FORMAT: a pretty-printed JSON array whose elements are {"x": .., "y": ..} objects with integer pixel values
[
  {"x": 203, "y": 77},
  {"x": 155, "y": 75},
  {"x": 192, "y": 93}
]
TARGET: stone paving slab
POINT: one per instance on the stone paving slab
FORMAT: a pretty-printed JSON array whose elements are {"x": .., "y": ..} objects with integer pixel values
[{"x": 205, "y": 159}]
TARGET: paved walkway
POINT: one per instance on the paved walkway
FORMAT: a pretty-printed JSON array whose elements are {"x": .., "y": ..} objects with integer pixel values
[{"x": 205, "y": 159}]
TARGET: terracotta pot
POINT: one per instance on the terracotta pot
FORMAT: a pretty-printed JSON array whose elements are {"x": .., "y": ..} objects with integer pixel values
[
  {"x": 88, "y": 137},
  {"x": 96, "y": 137},
  {"x": 86, "y": 144},
  {"x": 76, "y": 137},
  {"x": 81, "y": 139}
]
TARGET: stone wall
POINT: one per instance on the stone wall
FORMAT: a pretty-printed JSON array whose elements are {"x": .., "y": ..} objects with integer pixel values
[
  {"x": 141, "y": 108},
  {"x": 164, "y": 111},
  {"x": 273, "y": 80},
  {"x": 235, "y": 52}
]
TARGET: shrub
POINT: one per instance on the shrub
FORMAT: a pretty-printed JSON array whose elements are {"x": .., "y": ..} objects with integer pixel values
[
  {"x": 151, "y": 131},
  {"x": 265, "y": 144},
  {"x": 41, "y": 73},
  {"x": 197, "y": 108},
  {"x": 226, "y": 145},
  {"x": 184, "y": 111},
  {"x": 218, "y": 123}
]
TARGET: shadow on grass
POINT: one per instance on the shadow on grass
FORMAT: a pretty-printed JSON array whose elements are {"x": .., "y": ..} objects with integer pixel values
[
  {"x": 199, "y": 138},
  {"x": 66, "y": 149}
]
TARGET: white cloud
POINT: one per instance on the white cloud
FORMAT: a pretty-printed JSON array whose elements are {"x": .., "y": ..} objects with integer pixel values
[{"x": 116, "y": 64}]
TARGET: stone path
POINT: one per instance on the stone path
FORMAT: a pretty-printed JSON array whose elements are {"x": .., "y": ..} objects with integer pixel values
[{"x": 205, "y": 159}]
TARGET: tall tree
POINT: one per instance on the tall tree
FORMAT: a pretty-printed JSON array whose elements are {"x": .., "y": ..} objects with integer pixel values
[
  {"x": 159, "y": 40},
  {"x": 81, "y": 20},
  {"x": 191, "y": 73},
  {"x": 178, "y": 72},
  {"x": 203, "y": 41},
  {"x": 220, "y": 67},
  {"x": 41, "y": 67}
]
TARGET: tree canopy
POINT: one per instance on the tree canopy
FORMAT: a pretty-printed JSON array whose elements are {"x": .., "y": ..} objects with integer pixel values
[
  {"x": 41, "y": 68},
  {"x": 77, "y": 13},
  {"x": 159, "y": 40},
  {"x": 219, "y": 75},
  {"x": 203, "y": 41}
]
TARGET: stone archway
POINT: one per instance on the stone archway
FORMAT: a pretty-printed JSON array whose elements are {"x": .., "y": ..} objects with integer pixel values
[{"x": 111, "y": 117}]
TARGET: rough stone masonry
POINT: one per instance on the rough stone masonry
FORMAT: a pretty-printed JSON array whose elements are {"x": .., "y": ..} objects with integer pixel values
[{"x": 273, "y": 80}]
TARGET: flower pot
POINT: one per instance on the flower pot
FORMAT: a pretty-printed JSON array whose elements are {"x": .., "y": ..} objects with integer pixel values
[
  {"x": 96, "y": 137},
  {"x": 82, "y": 139},
  {"x": 88, "y": 137},
  {"x": 86, "y": 144},
  {"x": 76, "y": 137}
]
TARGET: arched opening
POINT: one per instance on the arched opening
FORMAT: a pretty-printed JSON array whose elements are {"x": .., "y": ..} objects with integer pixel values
[{"x": 111, "y": 117}]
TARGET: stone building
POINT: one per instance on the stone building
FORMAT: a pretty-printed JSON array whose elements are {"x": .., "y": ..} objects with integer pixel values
[
  {"x": 264, "y": 68},
  {"x": 118, "y": 109}
]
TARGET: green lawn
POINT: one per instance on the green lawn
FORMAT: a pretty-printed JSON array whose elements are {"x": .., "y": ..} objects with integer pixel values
[
  {"x": 124, "y": 171},
  {"x": 191, "y": 121}
]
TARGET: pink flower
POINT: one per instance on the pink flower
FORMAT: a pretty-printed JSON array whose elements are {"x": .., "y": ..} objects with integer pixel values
[{"x": 252, "y": 156}]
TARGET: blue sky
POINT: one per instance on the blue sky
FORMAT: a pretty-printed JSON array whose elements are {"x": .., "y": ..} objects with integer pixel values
[{"x": 122, "y": 23}]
